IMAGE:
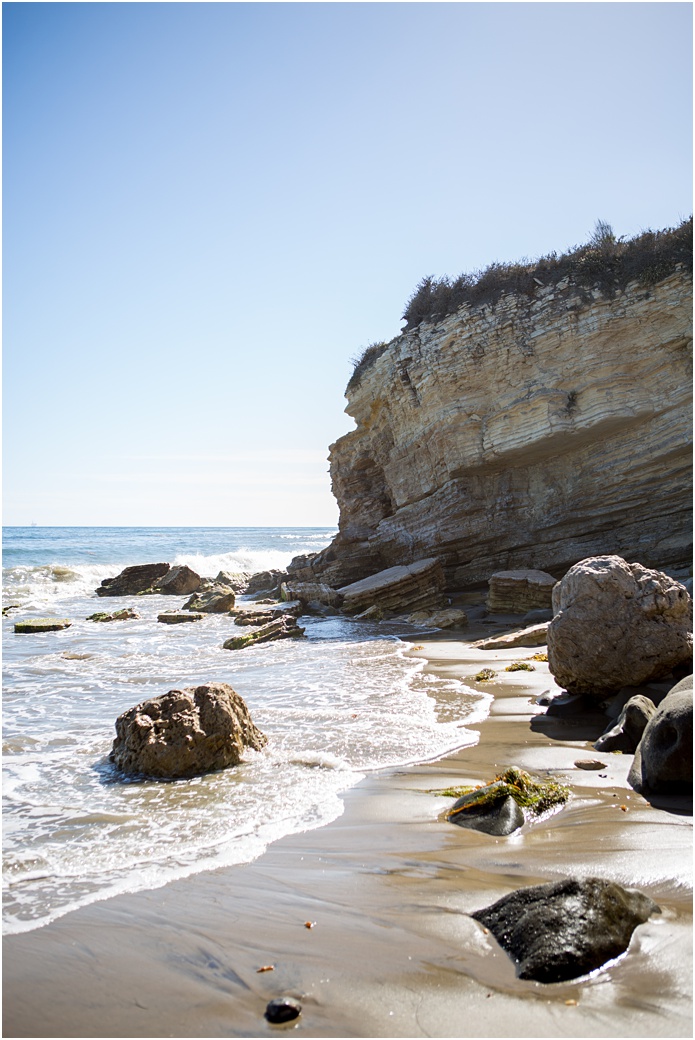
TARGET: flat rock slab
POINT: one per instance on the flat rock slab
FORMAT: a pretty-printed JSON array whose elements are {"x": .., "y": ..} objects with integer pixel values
[
  {"x": 415, "y": 585},
  {"x": 284, "y": 627},
  {"x": 42, "y": 625},
  {"x": 174, "y": 617},
  {"x": 537, "y": 635},
  {"x": 567, "y": 928}
]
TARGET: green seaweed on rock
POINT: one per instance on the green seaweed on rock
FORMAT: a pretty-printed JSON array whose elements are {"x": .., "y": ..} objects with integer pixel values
[
  {"x": 520, "y": 666},
  {"x": 538, "y": 796},
  {"x": 485, "y": 675}
]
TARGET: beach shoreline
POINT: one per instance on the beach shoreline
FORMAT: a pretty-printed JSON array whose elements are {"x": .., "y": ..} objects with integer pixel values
[{"x": 388, "y": 888}]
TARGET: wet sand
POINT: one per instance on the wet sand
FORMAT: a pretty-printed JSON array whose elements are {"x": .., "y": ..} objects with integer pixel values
[{"x": 388, "y": 887}]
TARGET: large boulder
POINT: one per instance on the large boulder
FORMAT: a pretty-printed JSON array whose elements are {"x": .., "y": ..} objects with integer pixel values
[
  {"x": 133, "y": 580},
  {"x": 617, "y": 624},
  {"x": 178, "y": 581},
  {"x": 517, "y": 592},
  {"x": 418, "y": 585},
  {"x": 663, "y": 762},
  {"x": 185, "y": 733},
  {"x": 217, "y": 599},
  {"x": 567, "y": 928}
]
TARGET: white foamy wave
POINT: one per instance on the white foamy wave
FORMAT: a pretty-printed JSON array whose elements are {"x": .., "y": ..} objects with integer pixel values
[
  {"x": 241, "y": 560},
  {"x": 40, "y": 585}
]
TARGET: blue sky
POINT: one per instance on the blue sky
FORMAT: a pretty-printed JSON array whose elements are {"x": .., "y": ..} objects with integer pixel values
[{"x": 210, "y": 208}]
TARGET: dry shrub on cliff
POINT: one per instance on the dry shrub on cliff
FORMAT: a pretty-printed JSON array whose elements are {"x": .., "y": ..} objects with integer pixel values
[
  {"x": 604, "y": 263},
  {"x": 364, "y": 360}
]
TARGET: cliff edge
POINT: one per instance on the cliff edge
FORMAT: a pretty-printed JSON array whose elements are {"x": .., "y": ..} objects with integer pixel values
[{"x": 531, "y": 431}]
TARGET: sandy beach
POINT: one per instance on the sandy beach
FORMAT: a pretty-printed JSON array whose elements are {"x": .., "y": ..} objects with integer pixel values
[{"x": 388, "y": 888}]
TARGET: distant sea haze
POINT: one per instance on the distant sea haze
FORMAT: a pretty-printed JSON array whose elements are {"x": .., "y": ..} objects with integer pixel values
[{"x": 343, "y": 701}]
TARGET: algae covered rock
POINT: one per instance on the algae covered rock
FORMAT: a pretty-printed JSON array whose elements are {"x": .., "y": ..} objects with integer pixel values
[
  {"x": 185, "y": 733},
  {"x": 501, "y": 807},
  {"x": 133, "y": 580},
  {"x": 127, "y": 614},
  {"x": 567, "y": 928},
  {"x": 218, "y": 599},
  {"x": 178, "y": 617},
  {"x": 284, "y": 627},
  {"x": 42, "y": 625}
]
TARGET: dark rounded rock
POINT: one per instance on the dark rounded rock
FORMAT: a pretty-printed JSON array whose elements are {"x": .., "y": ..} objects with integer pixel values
[
  {"x": 500, "y": 817},
  {"x": 567, "y": 928},
  {"x": 283, "y": 1009},
  {"x": 663, "y": 762},
  {"x": 625, "y": 734},
  {"x": 133, "y": 580}
]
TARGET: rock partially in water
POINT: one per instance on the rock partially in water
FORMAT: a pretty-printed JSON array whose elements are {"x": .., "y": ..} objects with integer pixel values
[
  {"x": 176, "y": 617},
  {"x": 617, "y": 624},
  {"x": 185, "y": 733},
  {"x": 218, "y": 599},
  {"x": 237, "y": 581},
  {"x": 567, "y": 928},
  {"x": 127, "y": 614},
  {"x": 282, "y": 628},
  {"x": 42, "y": 625},
  {"x": 283, "y": 1009},
  {"x": 265, "y": 581},
  {"x": 625, "y": 734},
  {"x": 418, "y": 585},
  {"x": 500, "y": 807},
  {"x": 516, "y": 592},
  {"x": 262, "y": 615},
  {"x": 178, "y": 581},
  {"x": 663, "y": 762},
  {"x": 133, "y": 580},
  {"x": 311, "y": 592}
]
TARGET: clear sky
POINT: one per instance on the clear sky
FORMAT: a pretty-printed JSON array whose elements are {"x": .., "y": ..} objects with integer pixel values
[{"x": 210, "y": 208}]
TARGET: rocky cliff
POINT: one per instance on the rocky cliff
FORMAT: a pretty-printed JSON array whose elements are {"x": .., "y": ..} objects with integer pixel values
[{"x": 530, "y": 432}]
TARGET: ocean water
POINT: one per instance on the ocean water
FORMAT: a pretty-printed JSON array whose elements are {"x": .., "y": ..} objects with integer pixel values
[{"x": 342, "y": 702}]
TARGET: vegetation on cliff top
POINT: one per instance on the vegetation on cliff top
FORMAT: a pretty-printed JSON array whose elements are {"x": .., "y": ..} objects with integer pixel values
[{"x": 606, "y": 263}]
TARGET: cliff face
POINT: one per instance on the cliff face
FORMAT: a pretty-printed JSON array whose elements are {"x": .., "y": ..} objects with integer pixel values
[{"x": 530, "y": 433}]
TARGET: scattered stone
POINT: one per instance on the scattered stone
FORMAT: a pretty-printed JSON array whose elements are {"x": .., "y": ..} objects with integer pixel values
[
  {"x": 537, "y": 635},
  {"x": 133, "y": 580},
  {"x": 485, "y": 675},
  {"x": 9, "y": 607},
  {"x": 42, "y": 625},
  {"x": 282, "y": 628},
  {"x": 663, "y": 762},
  {"x": 617, "y": 624},
  {"x": 266, "y": 581},
  {"x": 564, "y": 704},
  {"x": 516, "y": 592},
  {"x": 311, "y": 592},
  {"x": 520, "y": 666},
  {"x": 567, "y": 928},
  {"x": 127, "y": 614},
  {"x": 262, "y": 617},
  {"x": 414, "y": 586},
  {"x": 448, "y": 618},
  {"x": 175, "y": 617},
  {"x": 373, "y": 613},
  {"x": 590, "y": 763},
  {"x": 283, "y": 1009},
  {"x": 219, "y": 599},
  {"x": 499, "y": 815},
  {"x": 185, "y": 733},
  {"x": 178, "y": 581},
  {"x": 237, "y": 581},
  {"x": 625, "y": 734}
]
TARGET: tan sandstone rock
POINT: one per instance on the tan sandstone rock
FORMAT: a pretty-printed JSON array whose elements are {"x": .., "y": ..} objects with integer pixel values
[
  {"x": 517, "y": 592},
  {"x": 185, "y": 733},
  {"x": 617, "y": 624},
  {"x": 536, "y": 635},
  {"x": 532, "y": 432},
  {"x": 417, "y": 585}
]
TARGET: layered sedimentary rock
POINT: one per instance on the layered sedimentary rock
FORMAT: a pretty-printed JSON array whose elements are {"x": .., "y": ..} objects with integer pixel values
[
  {"x": 516, "y": 592},
  {"x": 532, "y": 432},
  {"x": 416, "y": 586}
]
